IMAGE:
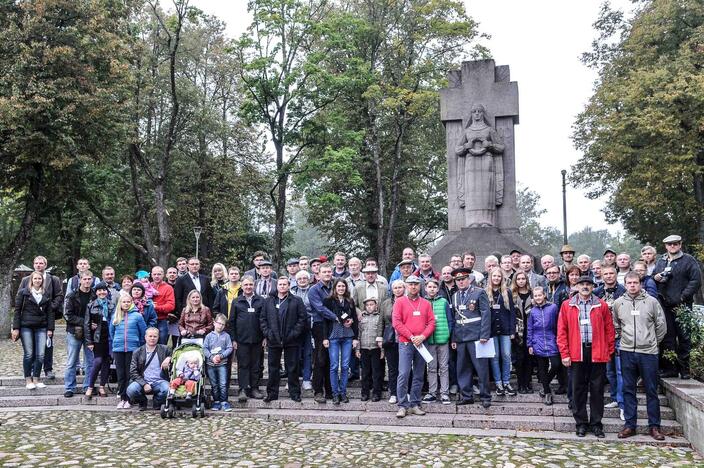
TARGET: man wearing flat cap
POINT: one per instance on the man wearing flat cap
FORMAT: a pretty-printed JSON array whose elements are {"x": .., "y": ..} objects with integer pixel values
[
  {"x": 265, "y": 285},
  {"x": 471, "y": 323},
  {"x": 609, "y": 257},
  {"x": 678, "y": 278},
  {"x": 585, "y": 338},
  {"x": 372, "y": 286}
]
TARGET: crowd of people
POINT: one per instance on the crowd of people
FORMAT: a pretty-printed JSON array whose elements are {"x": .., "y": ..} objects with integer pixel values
[{"x": 455, "y": 332}]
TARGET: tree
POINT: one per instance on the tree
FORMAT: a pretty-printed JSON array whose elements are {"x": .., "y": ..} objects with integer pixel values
[
  {"x": 375, "y": 178},
  {"x": 62, "y": 99},
  {"x": 544, "y": 239},
  {"x": 641, "y": 132}
]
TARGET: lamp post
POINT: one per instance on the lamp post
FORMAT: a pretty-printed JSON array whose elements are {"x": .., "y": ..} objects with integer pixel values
[
  {"x": 197, "y": 230},
  {"x": 564, "y": 206}
]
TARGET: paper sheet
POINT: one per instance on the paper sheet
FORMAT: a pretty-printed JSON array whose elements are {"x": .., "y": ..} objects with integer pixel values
[
  {"x": 424, "y": 353},
  {"x": 485, "y": 350}
]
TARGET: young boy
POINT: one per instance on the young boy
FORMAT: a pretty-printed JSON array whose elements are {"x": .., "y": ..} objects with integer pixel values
[
  {"x": 189, "y": 377},
  {"x": 217, "y": 347},
  {"x": 438, "y": 344},
  {"x": 371, "y": 330}
]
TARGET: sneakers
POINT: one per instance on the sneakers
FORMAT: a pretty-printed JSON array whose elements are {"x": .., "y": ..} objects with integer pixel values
[
  {"x": 126, "y": 405},
  {"x": 319, "y": 398},
  {"x": 40, "y": 385},
  {"x": 336, "y": 399},
  {"x": 445, "y": 399},
  {"x": 621, "y": 415},
  {"x": 416, "y": 410},
  {"x": 401, "y": 413},
  {"x": 344, "y": 398},
  {"x": 453, "y": 389},
  {"x": 429, "y": 398},
  {"x": 32, "y": 386},
  {"x": 500, "y": 390},
  {"x": 509, "y": 390},
  {"x": 548, "y": 399},
  {"x": 120, "y": 404},
  {"x": 307, "y": 385},
  {"x": 475, "y": 390},
  {"x": 225, "y": 406},
  {"x": 613, "y": 404},
  {"x": 50, "y": 375},
  {"x": 393, "y": 400},
  {"x": 216, "y": 406}
]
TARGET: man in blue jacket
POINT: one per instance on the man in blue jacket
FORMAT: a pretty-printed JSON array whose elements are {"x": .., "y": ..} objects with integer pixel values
[{"x": 319, "y": 313}]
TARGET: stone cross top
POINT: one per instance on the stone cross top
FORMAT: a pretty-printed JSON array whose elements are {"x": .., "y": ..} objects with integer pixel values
[{"x": 484, "y": 162}]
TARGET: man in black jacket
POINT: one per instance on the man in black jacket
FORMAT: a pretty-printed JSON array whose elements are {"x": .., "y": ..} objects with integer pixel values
[
  {"x": 282, "y": 323},
  {"x": 678, "y": 277},
  {"x": 75, "y": 309},
  {"x": 149, "y": 371},
  {"x": 190, "y": 281},
  {"x": 247, "y": 338},
  {"x": 52, "y": 286}
]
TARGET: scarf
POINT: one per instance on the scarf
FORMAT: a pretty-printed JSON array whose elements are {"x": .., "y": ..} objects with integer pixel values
[{"x": 104, "y": 305}]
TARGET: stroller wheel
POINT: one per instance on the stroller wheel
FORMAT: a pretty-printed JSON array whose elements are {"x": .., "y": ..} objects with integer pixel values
[
  {"x": 202, "y": 412},
  {"x": 194, "y": 410},
  {"x": 170, "y": 412},
  {"x": 163, "y": 412}
]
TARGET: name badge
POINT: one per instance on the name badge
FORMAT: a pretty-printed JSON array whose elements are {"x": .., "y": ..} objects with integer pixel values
[
  {"x": 635, "y": 312},
  {"x": 250, "y": 309},
  {"x": 416, "y": 313},
  {"x": 496, "y": 306},
  {"x": 344, "y": 316},
  {"x": 462, "y": 307},
  {"x": 216, "y": 350},
  {"x": 278, "y": 305},
  {"x": 584, "y": 322}
]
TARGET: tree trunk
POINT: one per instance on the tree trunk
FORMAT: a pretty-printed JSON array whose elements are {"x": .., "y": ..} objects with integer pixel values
[
  {"x": 15, "y": 249},
  {"x": 279, "y": 207}
]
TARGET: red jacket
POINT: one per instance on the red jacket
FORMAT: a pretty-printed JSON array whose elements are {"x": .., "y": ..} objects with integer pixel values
[
  {"x": 164, "y": 301},
  {"x": 569, "y": 335},
  {"x": 412, "y": 318}
]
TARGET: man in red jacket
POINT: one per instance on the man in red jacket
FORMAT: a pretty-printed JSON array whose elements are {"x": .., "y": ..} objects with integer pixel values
[
  {"x": 414, "y": 321},
  {"x": 585, "y": 338},
  {"x": 164, "y": 303}
]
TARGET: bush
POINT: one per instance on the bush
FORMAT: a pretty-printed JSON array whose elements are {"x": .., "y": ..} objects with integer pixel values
[{"x": 692, "y": 321}]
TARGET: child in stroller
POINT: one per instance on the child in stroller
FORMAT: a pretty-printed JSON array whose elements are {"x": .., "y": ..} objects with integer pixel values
[
  {"x": 186, "y": 386},
  {"x": 189, "y": 377}
]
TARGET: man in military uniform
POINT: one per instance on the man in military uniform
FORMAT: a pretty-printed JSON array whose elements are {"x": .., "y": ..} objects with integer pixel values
[{"x": 472, "y": 323}]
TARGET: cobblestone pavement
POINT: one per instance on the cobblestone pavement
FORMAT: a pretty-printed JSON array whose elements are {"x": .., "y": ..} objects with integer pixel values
[
  {"x": 113, "y": 439},
  {"x": 11, "y": 352}
]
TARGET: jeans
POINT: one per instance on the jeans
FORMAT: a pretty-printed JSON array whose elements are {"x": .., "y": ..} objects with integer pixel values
[
  {"x": 73, "y": 350},
  {"x": 135, "y": 392},
  {"x": 307, "y": 355},
  {"x": 439, "y": 365},
  {"x": 645, "y": 365},
  {"x": 218, "y": 382},
  {"x": 409, "y": 359},
  {"x": 340, "y": 350},
  {"x": 613, "y": 375},
  {"x": 502, "y": 372},
  {"x": 163, "y": 326},
  {"x": 33, "y": 344}
]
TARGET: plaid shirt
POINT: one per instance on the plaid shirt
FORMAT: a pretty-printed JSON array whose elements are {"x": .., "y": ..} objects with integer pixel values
[{"x": 585, "y": 308}]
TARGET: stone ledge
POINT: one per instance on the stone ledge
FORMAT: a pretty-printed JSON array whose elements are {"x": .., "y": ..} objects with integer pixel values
[{"x": 686, "y": 398}]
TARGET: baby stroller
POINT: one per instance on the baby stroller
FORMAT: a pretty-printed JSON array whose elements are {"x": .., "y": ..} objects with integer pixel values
[{"x": 184, "y": 353}]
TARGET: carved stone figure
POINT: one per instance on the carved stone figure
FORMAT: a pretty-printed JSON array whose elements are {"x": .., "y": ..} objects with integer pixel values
[{"x": 480, "y": 169}]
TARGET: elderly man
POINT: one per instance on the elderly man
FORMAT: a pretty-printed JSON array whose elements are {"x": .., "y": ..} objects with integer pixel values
[
  {"x": 533, "y": 278},
  {"x": 246, "y": 334},
  {"x": 471, "y": 317},
  {"x": 301, "y": 290},
  {"x": 640, "y": 321},
  {"x": 515, "y": 259},
  {"x": 490, "y": 262},
  {"x": 649, "y": 256},
  {"x": 623, "y": 264},
  {"x": 407, "y": 254},
  {"x": 596, "y": 272},
  {"x": 356, "y": 276},
  {"x": 585, "y": 338},
  {"x": 584, "y": 263},
  {"x": 149, "y": 371},
  {"x": 546, "y": 261},
  {"x": 414, "y": 321},
  {"x": 678, "y": 277},
  {"x": 372, "y": 286}
]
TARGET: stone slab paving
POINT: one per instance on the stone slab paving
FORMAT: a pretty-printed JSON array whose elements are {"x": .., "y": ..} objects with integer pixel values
[{"x": 113, "y": 438}]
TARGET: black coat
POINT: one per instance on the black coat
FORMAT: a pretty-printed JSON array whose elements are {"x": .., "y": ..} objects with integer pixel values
[
  {"x": 95, "y": 316},
  {"x": 280, "y": 335},
  {"x": 139, "y": 363},
  {"x": 30, "y": 314},
  {"x": 74, "y": 314},
  {"x": 52, "y": 286},
  {"x": 682, "y": 282},
  {"x": 343, "y": 311},
  {"x": 245, "y": 326},
  {"x": 184, "y": 285},
  {"x": 220, "y": 302}
]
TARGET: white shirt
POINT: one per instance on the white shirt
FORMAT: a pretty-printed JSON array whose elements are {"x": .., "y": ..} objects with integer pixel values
[
  {"x": 37, "y": 295},
  {"x": 196, "y": 282},
  {"x": 372, "y": 290}
]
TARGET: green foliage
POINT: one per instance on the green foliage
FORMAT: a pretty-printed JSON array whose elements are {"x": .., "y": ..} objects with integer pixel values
[
  {"x": 692, "y": 322},
  {"x": 642, "y": 130},
  {"x": 545, "y": 239}
]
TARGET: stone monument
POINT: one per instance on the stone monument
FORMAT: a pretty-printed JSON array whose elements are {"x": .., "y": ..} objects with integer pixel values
[{"x": 479, "y": 109}]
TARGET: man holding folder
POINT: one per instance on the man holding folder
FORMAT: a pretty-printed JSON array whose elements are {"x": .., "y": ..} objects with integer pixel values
[
  {"x": 414, "y": 321},
  {"x": 471, "y": 332}
]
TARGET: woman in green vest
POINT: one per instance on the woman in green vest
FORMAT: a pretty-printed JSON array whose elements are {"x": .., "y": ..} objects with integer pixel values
[{"x": 438, "y": 344}]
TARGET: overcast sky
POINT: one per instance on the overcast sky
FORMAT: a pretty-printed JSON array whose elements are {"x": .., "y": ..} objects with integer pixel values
[{"x": 541, "y": 41}]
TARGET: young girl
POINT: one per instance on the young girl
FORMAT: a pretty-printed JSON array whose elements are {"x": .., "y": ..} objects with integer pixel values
[
  {"x": 342, "y": 335},
  {"x": 100, "y": 313},
  {"x": 370, "y": 354},
  {"x": 127, "y": 330},
  {"x": 32, "y": 323},
  {"x": 438, "y": 344},
  {"x": 503, "y": 330},
  {"x": 542, "y": 341},
  {"x": 523, "y": 298}
]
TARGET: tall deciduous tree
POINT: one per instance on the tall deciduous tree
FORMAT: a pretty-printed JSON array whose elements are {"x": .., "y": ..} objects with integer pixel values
[
  {"x": 63, "y": 90},
  {"x": 642, "y": 132}
]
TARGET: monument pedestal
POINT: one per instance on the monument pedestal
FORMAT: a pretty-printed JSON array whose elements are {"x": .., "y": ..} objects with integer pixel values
[{"x": 483, "y": 241}]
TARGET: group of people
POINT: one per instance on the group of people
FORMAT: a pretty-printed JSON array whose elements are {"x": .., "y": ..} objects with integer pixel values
[{"x": 450, "y": 331}]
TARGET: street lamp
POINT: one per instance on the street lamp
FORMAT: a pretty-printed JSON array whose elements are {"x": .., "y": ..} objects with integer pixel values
[
  {"x": 564, "y": 206},
  {"x": 197, "y": 230}
]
